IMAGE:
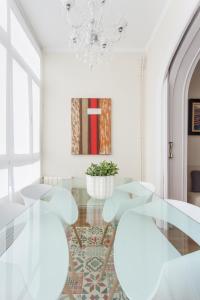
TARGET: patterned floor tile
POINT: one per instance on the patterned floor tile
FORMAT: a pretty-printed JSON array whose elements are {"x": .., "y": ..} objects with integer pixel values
[
  {"x": 119, "y": 295},
  {"x": 110, "y": 267},
  {"x": 94, "y": 230},
  {"x": 94, "y": 264},
  {"x": 74, "y": 286},
  {"x": 99, "y": 251},
  {"x": 92, "y": 286},
  {"x": 79, "y": 264},
  {"x": 88, "y": 262}
]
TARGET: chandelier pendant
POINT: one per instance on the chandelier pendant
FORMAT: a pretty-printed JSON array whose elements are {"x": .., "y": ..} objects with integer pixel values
[{"x": 90, "y": 37}]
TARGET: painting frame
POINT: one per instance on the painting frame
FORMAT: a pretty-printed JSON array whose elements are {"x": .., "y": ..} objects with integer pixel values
[
  {"x": 91, "y": 126},
  {"x": 194, "y": 117}
]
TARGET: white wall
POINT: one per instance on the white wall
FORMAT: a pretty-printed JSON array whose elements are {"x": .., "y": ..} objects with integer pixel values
[
  {"x": 194, "y": 141},
  {"x": 159, "y": 56},
  {"x": 64, "y": 78}
]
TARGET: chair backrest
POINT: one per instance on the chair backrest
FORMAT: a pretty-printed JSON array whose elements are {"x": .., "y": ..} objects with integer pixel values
[
  {"x": 125, "y": 197},
  {"x": 17, "y": 287},
  {"x": 140, "y": 252},
  {"x": 147, "y": 265},
  {"x": 9, "y": 211},
  {"x": 180, "y": 279},
  {"x": 39, "y": 253},
  {"x": 61, "y": 202},
  {"x": 34, "y": 192},
  {"x": 149, "y": 186}
]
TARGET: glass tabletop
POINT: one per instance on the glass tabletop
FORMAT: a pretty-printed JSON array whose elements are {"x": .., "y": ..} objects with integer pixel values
[
  {"x": 133, "y": 245},
  {"x": 148, "y": 256},
  {"x": 93, "y": 211},
  {"x": 105, "y": 235},
  {"x": 90, "y": 229},
  {"x": 28, "y": 254}
]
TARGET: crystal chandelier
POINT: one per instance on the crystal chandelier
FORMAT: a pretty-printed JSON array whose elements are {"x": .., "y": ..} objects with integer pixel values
[{"x": 90, "y": 37}]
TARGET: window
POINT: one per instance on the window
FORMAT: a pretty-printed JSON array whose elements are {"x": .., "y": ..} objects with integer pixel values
[
  {"x": 35, "y": 171},
  {"x": 4, "y": 182},
  {"x": 19, "y": 104},
  {"x": 2, "y": 100},
  {"x": 3, "y": 14},
  {"x": 36, "y": 117},
  {"x": 21, "y": 110},
  {"x": 25, "y": 175},
  {"x": 23, "y": 45}
]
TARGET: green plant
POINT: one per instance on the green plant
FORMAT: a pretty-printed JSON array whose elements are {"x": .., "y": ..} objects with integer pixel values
[{"x": 104, "y": 168}]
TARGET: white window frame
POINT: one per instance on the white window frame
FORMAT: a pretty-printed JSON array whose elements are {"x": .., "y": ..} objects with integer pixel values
[{"x": 10, "y": 159}]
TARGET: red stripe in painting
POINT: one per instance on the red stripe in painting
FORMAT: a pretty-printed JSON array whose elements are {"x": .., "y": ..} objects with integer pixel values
[{"x": 93, "y": 119}]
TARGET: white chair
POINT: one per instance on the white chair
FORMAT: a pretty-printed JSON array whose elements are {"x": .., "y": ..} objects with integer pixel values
[
  {"x": 37, "y": 263},
  {"x": 34, "y": 192},
  {"x": 58, "y": 200},
  {"x": 147, "y": 265},
  {"x": 149, "y": 186},
  {"x": 9, "y": 211},
  {"x": 61, "y": 203},
  {"x": 16, "y": 288},
  {"x": 125, "y": 197}
]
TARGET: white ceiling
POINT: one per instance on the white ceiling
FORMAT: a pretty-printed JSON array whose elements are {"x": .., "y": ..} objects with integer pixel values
[{"x": 48, "y": 22}]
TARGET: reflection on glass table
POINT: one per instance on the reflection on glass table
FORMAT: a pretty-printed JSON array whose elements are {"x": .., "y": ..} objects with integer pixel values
[
  {"x": 61, "y": 246},
  {"x": 148, "y": 266},
  {"x": 32, "y": 265},
  {"x": 96, "y": 227}
]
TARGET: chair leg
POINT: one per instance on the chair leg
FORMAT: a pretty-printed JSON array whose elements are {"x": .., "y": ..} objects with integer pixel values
[
  {"x": 113, "y": 290},
  {"x": 77, "y": 236},
  {"x": 105, "y": 232},
  {"x": 108, "y": 255}
]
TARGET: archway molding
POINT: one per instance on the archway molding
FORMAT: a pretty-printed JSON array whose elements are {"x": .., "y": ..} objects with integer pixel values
[{"x": 179, "y": 77}]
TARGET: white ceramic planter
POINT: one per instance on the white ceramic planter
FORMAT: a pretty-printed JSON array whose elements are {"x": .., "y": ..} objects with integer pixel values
[{"x": 100, "y": 187}]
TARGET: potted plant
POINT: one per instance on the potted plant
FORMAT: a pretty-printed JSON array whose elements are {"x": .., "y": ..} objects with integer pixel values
[{"x": 100, "y": 179}]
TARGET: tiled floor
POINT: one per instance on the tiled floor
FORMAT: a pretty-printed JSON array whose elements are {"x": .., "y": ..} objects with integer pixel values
[
  {"x": 181, "y": 241},
  {"x": 89, "y": 260}
]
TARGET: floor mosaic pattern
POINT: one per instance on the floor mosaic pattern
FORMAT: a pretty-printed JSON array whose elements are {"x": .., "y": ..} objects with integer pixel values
[{"x": 88, "y": 262}]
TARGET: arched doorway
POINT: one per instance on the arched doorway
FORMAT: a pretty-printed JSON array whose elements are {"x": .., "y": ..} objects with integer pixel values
[{"x": 179, "y": 77}]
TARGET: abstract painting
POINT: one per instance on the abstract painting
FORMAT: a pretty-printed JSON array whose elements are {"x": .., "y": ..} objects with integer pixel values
[
  {"x": 194, "y": 117},
  {"x": 91, "y": 126}
]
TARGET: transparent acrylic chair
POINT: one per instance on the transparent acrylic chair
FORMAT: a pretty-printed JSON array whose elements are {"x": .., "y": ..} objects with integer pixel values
[
  {"x": 62, "y": 203},
  {"x": 34, "y": 192},
  {"x": 34, "y": 263},
  {"x": 125, "y": 197},
  {"x": 147, "y": 265}
]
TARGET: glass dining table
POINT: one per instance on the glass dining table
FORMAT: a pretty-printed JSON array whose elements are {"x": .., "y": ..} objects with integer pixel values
[
  {"x": 129, "y": 243},
  {"x": 133, "y": 245}
]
